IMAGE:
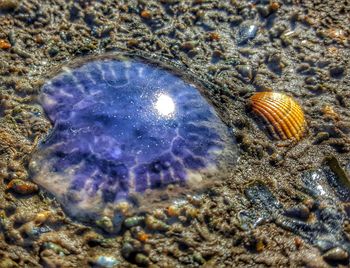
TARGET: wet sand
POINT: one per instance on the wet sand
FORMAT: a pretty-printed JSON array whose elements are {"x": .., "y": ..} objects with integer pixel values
[{"x": 300, "y": 48}]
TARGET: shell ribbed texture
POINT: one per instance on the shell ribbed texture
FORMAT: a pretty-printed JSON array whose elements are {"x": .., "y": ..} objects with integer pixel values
[{"x": 280, "y": 111}]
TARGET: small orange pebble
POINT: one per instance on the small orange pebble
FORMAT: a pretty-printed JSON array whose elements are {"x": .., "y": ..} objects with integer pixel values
[
  {"x": 281, "y": 112},
  {"x": 191, "y": 212},
  {"x": 22, "y": 187},
  {"x": 4, "y": 44},
  {"x": 42, "y": 217},
  {"x": 142, "y": 236},
  {"x": 329, "y": 112},
  {"x": 214, "y": 36},
  {"x": 173, "y": 211},
  {"x": 274, "y": 6},
  {"x": 298, "y": 242},
  {"x": 145, "y": 14},
  {"x": 39, "y": 39}
]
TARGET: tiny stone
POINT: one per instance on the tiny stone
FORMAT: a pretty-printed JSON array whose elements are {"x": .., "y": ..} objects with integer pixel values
[
  {"x": 141, "y": 259},
  {"x": 133, "y": 43},
  {"x": 133, "y": 221},
  {"x": 276, "y": 158},
  {"x": 336, "y": 254},
  {"x": 274, "y": 6},
  {"x": 53, "y": 51},
  {"x": 6, "y": 5},
  {"x": 320, "y": 137},
  {"x": 145, "y": 14},
  {"x": 127, "y": 250},
  {"x": 188, "y": 45},
  {"x": 106, "y": 224},
  {"x": 197, "y": 257},
  {"x": 336, "y": 71},
  {"x": 246, "y": 32},
  {"x": 4, "y": 44},
  {"x": 245, "y": 71},
  {"x": 214, "y": 36},
  {"x": 264, "y": 11},
  {"x": 21, "y": 52},
  {"x": 310, "y": 80}
]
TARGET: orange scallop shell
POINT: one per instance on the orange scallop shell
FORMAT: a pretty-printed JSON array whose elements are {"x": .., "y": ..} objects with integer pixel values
[{"x": 281, "y": 112}]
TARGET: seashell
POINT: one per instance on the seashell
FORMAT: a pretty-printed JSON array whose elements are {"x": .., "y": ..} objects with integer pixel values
[{"x": 281, "y": 112}]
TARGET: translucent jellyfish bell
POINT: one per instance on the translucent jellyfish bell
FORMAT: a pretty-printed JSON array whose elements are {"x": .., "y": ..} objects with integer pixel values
[{"x": 125, "y": 129}]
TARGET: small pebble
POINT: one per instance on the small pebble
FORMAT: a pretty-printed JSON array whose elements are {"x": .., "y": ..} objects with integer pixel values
[
  {"x": 127, "y": 250},
  {"x": 336, "y": 71},
  {"x": 56, "y": 248},
  {"x": 259, "y": 246},
  {"x": 276, "y": 159},
  {"x": 245, "y": 71},
  {"x": 133, "y": 221},
  {"x": 275, "y": 63},
  {"x": 274, "y": 6},
  {"x": 310, "y": 80},
  {"x": 21, "y": 52},
  {"x": 197, "y": 257},
  {"x": 53, "y": 51},
  {"x": 145, "y": 14},
  {"x": 321, "y": 136},
  {"x": 246, "y": 32},
  {"x": 336, "y": 254},
  {"x": 155, "y": 224},
  {"x": 4, "y": 44},
  {"x": 42, "y": 217},
  {"x": 141, "y": 259},
  {"x": 187, "y": 46},
  {"x": 142, "y": 236},
  {"x": 39, "y": 39},
  {"x": 106, "y": 224},
  {"x": 22, "y": 187},
  {"x": 300, "y": 211},
  {"x": 6, "y": 5},
  {"x": 214, "y": 36},
  {"x": 298, "y": 242},
  {"x": 264, "y": 11},
  {"x": 133, "y": 42},
  {"x": 105, "y": 261}
]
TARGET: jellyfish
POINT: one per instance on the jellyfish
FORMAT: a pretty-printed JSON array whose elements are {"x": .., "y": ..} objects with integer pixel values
[{"x": 125, "y": 131}]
